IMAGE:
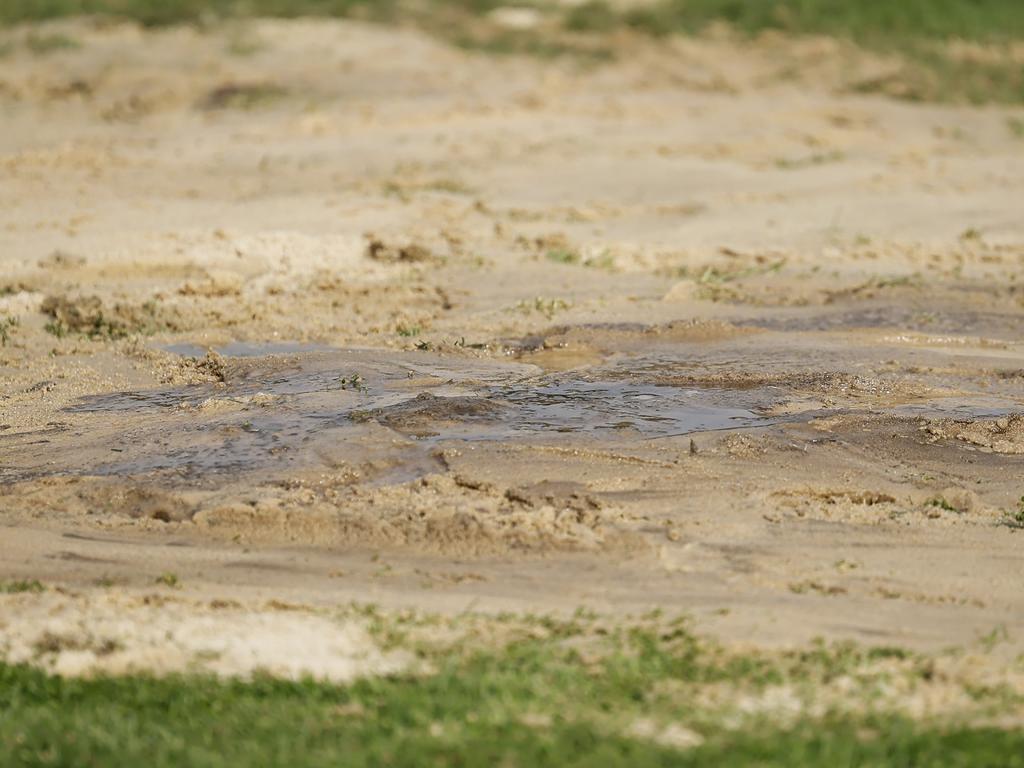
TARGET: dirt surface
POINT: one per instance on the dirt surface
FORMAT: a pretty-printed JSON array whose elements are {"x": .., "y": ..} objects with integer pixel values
[{"x": 321, "y": 312}]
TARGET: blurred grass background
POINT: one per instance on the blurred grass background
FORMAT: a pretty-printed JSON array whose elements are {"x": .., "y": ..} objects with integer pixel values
[
  {"x": 864, "y": 20},
  {"x": 924, "y": 33}
]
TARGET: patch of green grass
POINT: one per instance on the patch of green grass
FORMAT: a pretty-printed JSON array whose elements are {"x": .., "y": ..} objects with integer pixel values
[
  {"x": 861, "y": 20},
  {"x": 162, "y": 12},
  {"x": 547, "y": 307},
  {"x": 594, "y": 16},
  {"x": 516, "y": 691},
  {"x": 564, "y": 257},
  {"x": 930, "y": 73},
  {"x": 941, "y": 503},
  {"x": 6, "y": 326},
  {"x": 603, "y": 260},
  {"x": 56, "y": 328},
  {"x": 168, "y": 579},
  {"x": 21, "y": 585},
  {"x": 1016, "y": 126},
  {"x": 1015, "y": 519}
]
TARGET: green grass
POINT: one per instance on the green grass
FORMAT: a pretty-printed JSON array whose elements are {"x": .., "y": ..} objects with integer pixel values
[
  {"x": 564, "y": 256},
  {"x": 162, "y": 12},
  {"x": 863, "y": 20},
  {"x": 513, "y": 691},
  {"x": 534, "y": 702},
  {"x": 1015, "y": 519},
  {"x": 547, "y": 307},
  {"x": 167, "y": 579}
]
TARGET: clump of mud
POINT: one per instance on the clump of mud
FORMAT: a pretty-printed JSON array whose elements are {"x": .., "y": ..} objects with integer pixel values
[
  {"x": 242, "y": 95},
  {"x": 97, "y": 497},
  {"x": 442, "y": 513},
  {"x": 89, "y": 316},
  {"x": 61, "y": 260},
  {"x": 1003, "y": 435},
  {"x": 425, "y": 414},
  {"x": 437, "y": 513},
  {"x": 394, "y": 252},
  {"x": 211, "y": 368}
]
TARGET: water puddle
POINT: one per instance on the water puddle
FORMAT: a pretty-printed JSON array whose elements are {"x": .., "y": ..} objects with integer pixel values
[
  {"x": 956, "y": 409},
  {"x": 647, "y": 410},
  {"x": 344, "y": 408}
]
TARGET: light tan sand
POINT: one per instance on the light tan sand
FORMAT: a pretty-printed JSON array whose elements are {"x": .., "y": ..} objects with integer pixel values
[{"x": 848, "y": 267}]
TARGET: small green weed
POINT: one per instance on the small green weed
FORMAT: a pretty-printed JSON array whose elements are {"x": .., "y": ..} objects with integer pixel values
[
  {"x": 941, "y": 503},
  {"x": 6, "y": 326},
  {"x": 603, "y": 260},
  {"x": 168, "y": 579},
  {"x": 57, "y": 328},
  {"x": 547, "y": 307},
  {"x": 564, "y": 257},
  {"x": 19, "y": 586},
  {"x": 1015, "y": 519},
  {"x": 353, "y": 382}
]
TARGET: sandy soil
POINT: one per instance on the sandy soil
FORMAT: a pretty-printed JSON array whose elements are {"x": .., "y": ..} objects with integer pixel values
[{"x": 322, "y": 312}]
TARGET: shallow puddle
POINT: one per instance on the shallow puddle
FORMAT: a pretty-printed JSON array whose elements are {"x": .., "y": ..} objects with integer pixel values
[
  {"x": 287, "y": 412},
  {"x": 601, "y": 406},
  {"x": 290, "y": 410},
  {"x": 334, "y": 407}
]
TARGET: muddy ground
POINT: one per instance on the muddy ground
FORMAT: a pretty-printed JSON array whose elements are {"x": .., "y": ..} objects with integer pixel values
[{"x": 304, "y": 313}]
